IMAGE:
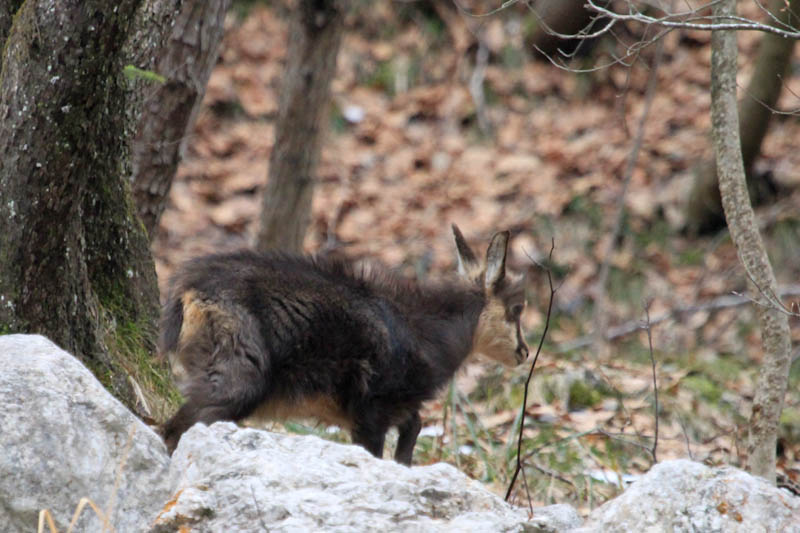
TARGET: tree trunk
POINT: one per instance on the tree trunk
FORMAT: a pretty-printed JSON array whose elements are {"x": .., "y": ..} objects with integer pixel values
[
  {"x": 75, "y": 263},
  {"x": 704, "y": 210},
  {"x": 774, "y": 372},
  {"x": 171, "y": 108},
  {"x": 315, "y": 33},
  {"x": 6, "y": 18}
]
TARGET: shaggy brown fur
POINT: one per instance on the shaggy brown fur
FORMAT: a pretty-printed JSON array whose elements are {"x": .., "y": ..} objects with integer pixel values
[{"x": 279, "y": 336}]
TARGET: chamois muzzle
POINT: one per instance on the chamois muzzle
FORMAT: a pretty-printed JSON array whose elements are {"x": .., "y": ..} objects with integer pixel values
[{"x": 521, "y": 353}]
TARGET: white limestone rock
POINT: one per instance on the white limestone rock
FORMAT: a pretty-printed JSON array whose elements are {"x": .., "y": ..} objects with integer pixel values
[
  {"x": 226, "y": 478},
  {"x": 64, "y": 437},
  {"x": 683, "y": 496}
]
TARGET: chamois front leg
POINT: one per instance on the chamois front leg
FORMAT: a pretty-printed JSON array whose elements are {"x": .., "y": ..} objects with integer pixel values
[
  {"x": 369, "y": 433},
  {"x": 408, "y": 432}
]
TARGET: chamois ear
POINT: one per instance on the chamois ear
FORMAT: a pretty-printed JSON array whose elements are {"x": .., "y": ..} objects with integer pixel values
[
  {"x": 496, "y": 259},
  {"x": 467, "y": 262}
]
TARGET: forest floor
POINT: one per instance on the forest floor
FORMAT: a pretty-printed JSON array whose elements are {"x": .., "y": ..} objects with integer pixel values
[{"x": 408, "y": 152}]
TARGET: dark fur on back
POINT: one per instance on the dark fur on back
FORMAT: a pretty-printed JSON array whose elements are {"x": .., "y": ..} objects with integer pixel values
[{"x": 248, "y": 332}]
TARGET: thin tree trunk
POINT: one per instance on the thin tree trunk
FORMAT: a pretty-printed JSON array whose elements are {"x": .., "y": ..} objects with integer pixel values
[
  {"x": 704, "y": 210},
  {"x": 170, "y": 109},
  {"x": 75, "y": 263},
  {"x": 315, "y": 33},
  {"x": 774, "y": 372}
]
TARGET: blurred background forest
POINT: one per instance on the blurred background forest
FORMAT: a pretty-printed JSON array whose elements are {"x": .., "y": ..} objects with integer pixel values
[{"x": 437, "y": 117}]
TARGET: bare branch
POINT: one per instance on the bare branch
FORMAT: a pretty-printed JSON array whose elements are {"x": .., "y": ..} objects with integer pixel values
[
  {"x": 555, "y": 475},
  {"x": 772, "y": 299},
  {"x": 686, "y": 437},
  {"x": 722, "y": 302},
  {"x": 465, "y": 11},
  {"x": 684, "y": 20},
  {"x": 530, "y": 375}
]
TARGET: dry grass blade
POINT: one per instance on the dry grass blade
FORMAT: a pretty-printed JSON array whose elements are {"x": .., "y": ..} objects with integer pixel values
[
  {"x": 100, "y": 514},
  {"x": 45, "y": 517},
  {"x": 118, "y": 477}
]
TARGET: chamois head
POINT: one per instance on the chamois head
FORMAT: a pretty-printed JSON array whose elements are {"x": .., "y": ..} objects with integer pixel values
[{"x": 498, "y": 334}]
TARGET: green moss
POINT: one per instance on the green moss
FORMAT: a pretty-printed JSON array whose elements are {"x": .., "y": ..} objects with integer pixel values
[
  {"x": 702, "y": 385},
  {"x": 692, "y": 257},
  {"x": 242, "y": 8},
  {"x": 20, "y": 23},
  {"x": 655, "y": 232},
  {"x": 130, "y": 342},
  {"x": 103, "y": 374},
  {"x": 512, "y": 57},
  {"x": 782, "y": 246},
  {"x": 721, "y": 368},
  {"x": 790, "y": 423},
  {"x": 207, "y": 512},
  {"x": 382, "y": 77},
  {"x": 338, "y": 124},
  {"x": 794, "y": 374},
  {"x": 585, "y": 208},
  {"x": 626, "y": 285},
  {"x": 582, "y": 396},
  {"x": 134, "y": 73}
]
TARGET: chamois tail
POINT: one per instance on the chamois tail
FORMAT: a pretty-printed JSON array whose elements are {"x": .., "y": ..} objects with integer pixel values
[{"x": 170, "y": 327}]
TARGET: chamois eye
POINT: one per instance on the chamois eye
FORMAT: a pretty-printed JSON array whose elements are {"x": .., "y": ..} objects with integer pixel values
[{"x": 517, "y": 310}]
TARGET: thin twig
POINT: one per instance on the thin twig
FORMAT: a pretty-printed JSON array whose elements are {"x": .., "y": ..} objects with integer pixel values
[
  {"x": 530, "y": 375},
  {"x": 441, "y": 438},
  {"x": 555, "y": 475},
  {"x": 527, "y": 491},
  {"x": 465, "y": 11},
  {"x": 773, "y": 300},
  {"x": 623, "y": 438},
  {"x": 715, "y": 24},
  {"x": 655, "y": 383},
  {"x": 686, "y": 437},
  {"x": 721, "y": 302},
  {"x": 454, "y": 422}
]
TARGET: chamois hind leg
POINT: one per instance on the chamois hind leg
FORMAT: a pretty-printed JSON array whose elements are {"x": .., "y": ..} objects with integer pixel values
[
  {"x": 231, "y": 395},
  {"x": 408, "y": 432},
  {"x": 225, "y": 381},
  {"x": 191, "y": 413}
]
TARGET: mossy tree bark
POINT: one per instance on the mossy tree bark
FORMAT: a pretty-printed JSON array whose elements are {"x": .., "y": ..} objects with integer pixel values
[
  {"x": 315, "y": 33},
  {"x": 171, "y": 108},
  {"x": 7, "y": 12},
  {"x": 75, "y": 263},
  {"x": 774, "y": 373},
  {"x": 704, "y": 208}
]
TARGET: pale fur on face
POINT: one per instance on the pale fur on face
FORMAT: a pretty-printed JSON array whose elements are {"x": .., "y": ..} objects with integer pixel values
[{"x": 495, "y": 336}]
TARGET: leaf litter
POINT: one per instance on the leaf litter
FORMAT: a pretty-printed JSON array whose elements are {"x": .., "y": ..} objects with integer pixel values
[{"x": 404, "y": 157}]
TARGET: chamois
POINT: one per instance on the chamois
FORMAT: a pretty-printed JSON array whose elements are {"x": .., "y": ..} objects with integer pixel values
[{"x": 276, "y": 336}]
